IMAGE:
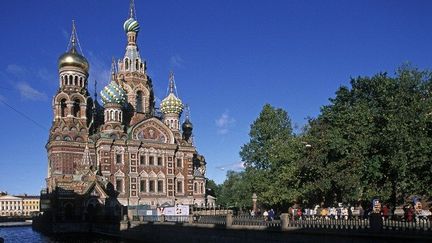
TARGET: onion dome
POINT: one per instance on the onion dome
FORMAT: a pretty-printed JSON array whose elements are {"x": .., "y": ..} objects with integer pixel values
[
  {"x": 171, "y": 104},
  {"x": 113, "y": 93},
  {"x": 131, "y": 25},
  {"x": 72, "y": 57}
]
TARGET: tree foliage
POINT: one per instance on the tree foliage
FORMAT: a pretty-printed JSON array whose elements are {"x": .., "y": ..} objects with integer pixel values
[{"x": 373, "y": 139}]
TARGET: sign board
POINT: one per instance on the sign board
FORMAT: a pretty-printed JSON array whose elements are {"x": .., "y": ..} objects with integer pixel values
[{"x": 178, "y": 210}]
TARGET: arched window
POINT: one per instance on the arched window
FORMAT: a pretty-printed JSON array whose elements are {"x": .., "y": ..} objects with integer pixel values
[
  {"x": 76, "y": 81},
  {"x": 116, "y": 116},
  {"x": 70, "y": 79},
  {"x": 76, "y": 108},
  {"x": 136, "y": 64},
  {"x": 127, "y": 64},
  {"x": 63, "y": 108},
  {"x": 139, "y": 101}
]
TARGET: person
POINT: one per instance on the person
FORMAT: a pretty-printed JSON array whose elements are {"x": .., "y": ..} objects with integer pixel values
[
  {"x": 271, "y": 214},
  {"x": 344, "y": 213},
  {"x": 385, "y": 212},
  {"x": 299, "y": 213},
  {"x": 265, "y": 214},
  {"x": 350, "y": 211},
  {"x": 409, "y": 214},
  {"x": 252, "y": 213},
  {"x": 324, "y": 213}
]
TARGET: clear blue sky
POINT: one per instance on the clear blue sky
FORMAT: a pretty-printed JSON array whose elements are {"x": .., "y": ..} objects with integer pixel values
[{"x": 229, "y": 57}]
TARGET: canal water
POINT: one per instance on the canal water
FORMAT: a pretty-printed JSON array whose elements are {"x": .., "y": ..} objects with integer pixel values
[{"x": 27, "y": 234}]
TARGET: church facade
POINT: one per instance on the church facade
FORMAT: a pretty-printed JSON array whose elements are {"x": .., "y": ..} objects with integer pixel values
[{"x": 124, "y": 148}]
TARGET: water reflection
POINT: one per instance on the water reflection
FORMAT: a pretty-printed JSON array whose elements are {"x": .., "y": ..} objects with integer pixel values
[{"x": 26, "y": 234}]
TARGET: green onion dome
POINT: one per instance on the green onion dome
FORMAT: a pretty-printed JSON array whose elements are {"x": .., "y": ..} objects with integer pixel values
[
  {"x": 131, "y": 25},
  {"x": 171, "y": 104},
  {"x": 113, "y": 93},
  {"x": 72, "y": 58}
]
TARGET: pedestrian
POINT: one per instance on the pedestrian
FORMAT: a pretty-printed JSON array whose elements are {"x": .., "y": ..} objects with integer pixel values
[
  {"x": 265, "y": 214},
  {"x": 271, "y": 214},
  {"x": 385, "y": 212},
  {"x": 299, "y": 213}
]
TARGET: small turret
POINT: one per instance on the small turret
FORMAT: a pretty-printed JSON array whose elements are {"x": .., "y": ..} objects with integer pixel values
[{"x": 187, "y": 126}]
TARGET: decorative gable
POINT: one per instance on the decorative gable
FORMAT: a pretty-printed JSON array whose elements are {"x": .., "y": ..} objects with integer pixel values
[
  {"x": 119, "y": 173},
  {"x": 152, "y": 130}
]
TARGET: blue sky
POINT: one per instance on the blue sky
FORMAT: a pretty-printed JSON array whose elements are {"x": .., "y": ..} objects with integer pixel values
[{"x": 229, "y": 58}]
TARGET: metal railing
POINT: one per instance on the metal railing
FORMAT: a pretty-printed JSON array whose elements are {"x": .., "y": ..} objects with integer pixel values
[
  {"x": 210, "y": 219},
  {"x": 255, "y": 221},
  {"x": 311, "y": 223}
]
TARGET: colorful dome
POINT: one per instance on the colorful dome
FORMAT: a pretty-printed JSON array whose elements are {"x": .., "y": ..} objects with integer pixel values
[
  {"x": 113, "y": 93},
  {"x": 131, "y": 25},
  {"x": 171, "y": 104},
  {"x": 72, "y": 58}
]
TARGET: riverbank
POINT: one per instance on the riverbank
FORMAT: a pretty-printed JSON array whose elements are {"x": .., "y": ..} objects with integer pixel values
[{"x": 16, "y": 224}]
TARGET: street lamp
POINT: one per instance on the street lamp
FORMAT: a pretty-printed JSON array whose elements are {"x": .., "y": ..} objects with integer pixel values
[{"x": 254, "y": 200}]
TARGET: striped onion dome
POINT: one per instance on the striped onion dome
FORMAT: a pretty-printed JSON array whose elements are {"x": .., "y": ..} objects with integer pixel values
[
  {"x": 131, "y": 25},
  {"x": 113, "y": 93},
  {"x": 171, "y": 104}
]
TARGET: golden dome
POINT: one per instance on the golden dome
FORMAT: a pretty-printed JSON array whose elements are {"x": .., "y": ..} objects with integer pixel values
[{"x": 72, "y": 58}]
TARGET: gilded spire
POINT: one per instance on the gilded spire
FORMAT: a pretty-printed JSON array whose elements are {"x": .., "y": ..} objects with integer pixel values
[
  {"x": 132, "y": 9},
  {"x": 113, "y": 68},
  {"x": 171, "y": 82},
  {"x": 74, "y": 41},
  {"x": 73, "y": 38}
]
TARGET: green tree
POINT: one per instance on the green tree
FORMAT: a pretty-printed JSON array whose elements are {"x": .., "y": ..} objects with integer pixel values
[
  {"x": 373, "y": 140},
  {"x": 235, "y": 191},
  {"x": 271, "y": 158}
]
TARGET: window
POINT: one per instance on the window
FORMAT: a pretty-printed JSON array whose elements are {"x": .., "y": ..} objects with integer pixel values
[
  {"x": 160, "y": 186},
  {"x": 63, "y": 108},
  {"x": 152, "y": 186},
  {"x": 142, "y": 160},
  {"x": 151, "y": 160},
  {"x": 179, "y": 163},
  {"x": 118, "y": 158},
  {"x": 159, "y": 161},
  {"x": 119, "y": 185},
  {"x": 143, "y": 186},
  {"x": 195, "y": 187},
  {"x": 127, "y": 64},
  {"x": 180, "y": 186},
  {"x": 76, "y": 108},
  {"x": 139, "y": 101}
]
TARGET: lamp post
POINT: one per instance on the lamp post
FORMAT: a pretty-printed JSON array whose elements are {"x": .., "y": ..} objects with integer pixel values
[{"x": 254, "y": 200}]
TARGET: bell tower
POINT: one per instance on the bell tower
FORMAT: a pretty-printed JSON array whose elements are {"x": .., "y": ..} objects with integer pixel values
[
  {"x": 132, "y": 74},
  {"x": 69, "y": 130}
]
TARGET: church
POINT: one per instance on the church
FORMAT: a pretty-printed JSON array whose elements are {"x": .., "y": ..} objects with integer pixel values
[{"x": 124, "y": 150}]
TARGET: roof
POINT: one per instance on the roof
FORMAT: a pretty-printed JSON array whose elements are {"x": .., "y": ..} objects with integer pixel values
[
  {"x": 9, "y": 197},
  {"x": 28, "y": 197}
]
